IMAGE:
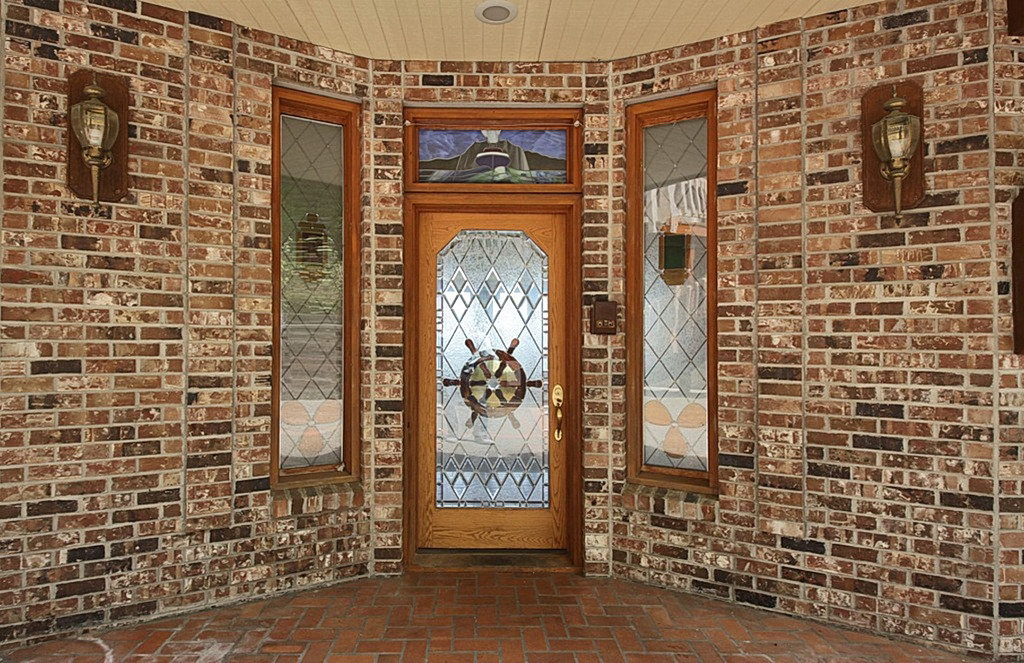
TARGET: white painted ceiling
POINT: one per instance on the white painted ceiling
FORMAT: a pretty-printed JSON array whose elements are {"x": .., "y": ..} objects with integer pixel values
[{"x": 548, "y": 30}]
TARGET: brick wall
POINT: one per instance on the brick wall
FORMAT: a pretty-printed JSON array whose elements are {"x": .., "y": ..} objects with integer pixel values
[
  {"x": 134, "y": 450},
  {"x": 869, "y": 409},
  {"x": 860, "y": 433},
  {"x": 1008, "y": 163}
]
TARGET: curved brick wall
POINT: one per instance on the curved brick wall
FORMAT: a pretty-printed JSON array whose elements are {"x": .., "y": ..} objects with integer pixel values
[{"x": 870, "y": 409}]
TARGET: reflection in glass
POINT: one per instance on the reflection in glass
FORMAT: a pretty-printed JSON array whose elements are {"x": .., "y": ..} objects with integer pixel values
[
  {"x": 492, "y": 372},
  {"x": 523, "y": 156},
  {"x": 675, "y": 390},
  {"x": 311, "y": 429}
]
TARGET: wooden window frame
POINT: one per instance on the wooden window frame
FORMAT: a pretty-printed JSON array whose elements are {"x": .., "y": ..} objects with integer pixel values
[
  {"x": 569, "y": 119},
  {"x": 639, "y": 116},
  {"x": 311, "y": 106}
]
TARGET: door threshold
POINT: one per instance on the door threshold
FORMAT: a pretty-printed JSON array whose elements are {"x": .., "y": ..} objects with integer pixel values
[{"x": 549, "y": 561}]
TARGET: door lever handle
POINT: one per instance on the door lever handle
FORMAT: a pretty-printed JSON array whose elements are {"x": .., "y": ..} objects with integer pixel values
[{"x": 557, "y": 397}]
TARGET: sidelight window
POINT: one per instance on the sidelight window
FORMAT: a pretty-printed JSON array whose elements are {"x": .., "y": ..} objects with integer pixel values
[
  {"x": 671, "y": 374},
  {"x": 316, "y": 271}
]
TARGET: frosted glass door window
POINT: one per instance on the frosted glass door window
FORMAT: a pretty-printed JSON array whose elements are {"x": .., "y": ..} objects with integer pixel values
[
  {"x": 311, "y": 279},
  {"x": 492, "y": 372},
  {"x": 675, "y": 346}
]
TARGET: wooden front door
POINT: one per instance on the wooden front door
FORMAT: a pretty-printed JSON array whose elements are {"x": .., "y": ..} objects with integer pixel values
[{"x": 490, "y": 330}]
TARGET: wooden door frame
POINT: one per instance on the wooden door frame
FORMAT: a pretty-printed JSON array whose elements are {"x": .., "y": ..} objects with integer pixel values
[{"x": 570, "y": 206}]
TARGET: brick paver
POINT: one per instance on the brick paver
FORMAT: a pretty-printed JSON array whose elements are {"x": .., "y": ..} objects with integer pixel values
[{"x": 478, "y": 617}]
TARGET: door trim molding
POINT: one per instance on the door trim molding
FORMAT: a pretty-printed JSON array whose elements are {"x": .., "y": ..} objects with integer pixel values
[{"x": 496, "y": 203}]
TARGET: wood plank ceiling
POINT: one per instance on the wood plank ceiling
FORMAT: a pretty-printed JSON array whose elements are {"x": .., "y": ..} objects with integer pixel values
[{"x": 547, "y": 30}]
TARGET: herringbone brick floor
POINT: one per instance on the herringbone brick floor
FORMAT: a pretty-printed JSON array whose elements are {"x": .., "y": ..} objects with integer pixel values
[{"x": 489, "y": 616}]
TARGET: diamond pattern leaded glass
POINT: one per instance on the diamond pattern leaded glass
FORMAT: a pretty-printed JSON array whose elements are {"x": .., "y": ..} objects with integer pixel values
[
  {"x": 492, "y": 372},
  {"x": 311, "y": 423},
  {"x": 675, "y": 393}
]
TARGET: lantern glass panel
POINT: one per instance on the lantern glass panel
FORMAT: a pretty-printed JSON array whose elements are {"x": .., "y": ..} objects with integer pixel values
[
  {"x": 899, "y": 136},
  {"x": 95, "y": 124},
  {"x": 113, "y": 124}
]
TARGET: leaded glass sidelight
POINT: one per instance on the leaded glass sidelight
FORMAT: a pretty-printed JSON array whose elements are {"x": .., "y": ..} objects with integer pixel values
[
  {"x": 311, "y": 303},
  {"x": 310, "y": 299},
  {"x": 492, "y": 372},
  {"x": 672, "y": 407},
  {"x": 675, "y": 295}
]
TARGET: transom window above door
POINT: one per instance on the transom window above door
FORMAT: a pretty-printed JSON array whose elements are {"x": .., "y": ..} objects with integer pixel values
[{"x": 496, "y": 149}]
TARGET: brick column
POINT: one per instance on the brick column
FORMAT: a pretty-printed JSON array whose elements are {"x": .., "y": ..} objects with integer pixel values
[
  {"x": 386, "y": 443},
  {"x": 780, "y": 277},
  {"x": 211, "y": 286},
  {"x": 603, "y": 357}
]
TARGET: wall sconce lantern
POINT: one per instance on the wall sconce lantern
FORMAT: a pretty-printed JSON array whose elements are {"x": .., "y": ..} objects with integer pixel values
[
  {"x": 97, "y": 145},
  {"x": 893, "y": 171},
  {"x": 95, "y": 125},
  {"x": 895, "y": 139}
]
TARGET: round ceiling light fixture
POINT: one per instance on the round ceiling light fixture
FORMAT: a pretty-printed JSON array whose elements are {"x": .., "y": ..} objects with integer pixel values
[{"x": 496, "y": 12}]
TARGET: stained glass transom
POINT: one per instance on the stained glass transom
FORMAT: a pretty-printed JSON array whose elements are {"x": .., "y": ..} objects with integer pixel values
[
  {"x": 492, "y": 372},
  {"x": 675, "y": 389},
  {"x": 311, "y": 431},
  {"x": 493, "y": 156}
]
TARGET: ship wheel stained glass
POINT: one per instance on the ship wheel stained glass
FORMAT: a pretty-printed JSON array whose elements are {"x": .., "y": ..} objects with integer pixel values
[
  {"x": 675, "y": 387},
  {"x": 492, "y": 372},
  {"x": 311, "y": 431}
]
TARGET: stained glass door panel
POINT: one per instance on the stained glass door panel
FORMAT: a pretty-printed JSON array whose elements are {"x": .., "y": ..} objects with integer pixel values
[
  {"x": 492, "y": 327},
  {"x": 488, "y": 301}
]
